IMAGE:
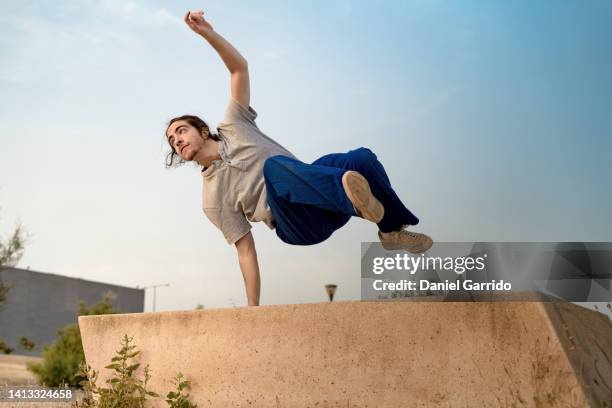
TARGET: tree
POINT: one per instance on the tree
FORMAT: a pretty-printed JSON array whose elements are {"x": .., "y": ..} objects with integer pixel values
[{"x": 11, "y": 252}]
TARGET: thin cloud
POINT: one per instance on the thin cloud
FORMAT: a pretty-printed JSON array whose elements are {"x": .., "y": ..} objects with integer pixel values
[
  {"x": 437, "y": 101},
  {"x": 60, "y": 46},
  {"x": 139, "y": 14},
  {"x": 55, "y": 47},
  {"x": 272, "y": 54}
]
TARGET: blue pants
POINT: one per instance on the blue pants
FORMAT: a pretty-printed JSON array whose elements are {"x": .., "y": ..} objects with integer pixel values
[{"x": 308, "y": 201}]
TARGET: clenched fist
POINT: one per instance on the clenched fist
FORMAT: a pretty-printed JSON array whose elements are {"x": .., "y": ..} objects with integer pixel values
[{"x": 195, "y": 21}]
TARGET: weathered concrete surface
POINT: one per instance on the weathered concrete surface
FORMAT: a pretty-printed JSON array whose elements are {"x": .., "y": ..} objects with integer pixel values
[{"x": 370, "y": 354}]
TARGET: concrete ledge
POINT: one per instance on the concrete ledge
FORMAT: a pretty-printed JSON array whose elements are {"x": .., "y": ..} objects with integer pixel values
[{"x": 370, "y": 354}]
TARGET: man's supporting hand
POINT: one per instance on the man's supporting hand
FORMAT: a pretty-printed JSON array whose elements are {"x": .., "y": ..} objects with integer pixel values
[{"x": 247, "y": 257}]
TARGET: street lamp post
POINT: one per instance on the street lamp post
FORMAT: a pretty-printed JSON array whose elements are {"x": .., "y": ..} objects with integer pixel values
[{"x": 155, "y": 291}]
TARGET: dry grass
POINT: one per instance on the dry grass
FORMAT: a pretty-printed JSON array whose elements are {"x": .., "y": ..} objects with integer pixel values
[{"x": 13, "y": 370}]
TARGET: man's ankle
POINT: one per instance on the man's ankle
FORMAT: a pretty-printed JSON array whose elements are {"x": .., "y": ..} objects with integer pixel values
[{"x": 385, "y": 234}]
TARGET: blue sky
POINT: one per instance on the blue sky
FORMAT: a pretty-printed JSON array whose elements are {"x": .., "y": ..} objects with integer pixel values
[{"x": 493, "y": 120}]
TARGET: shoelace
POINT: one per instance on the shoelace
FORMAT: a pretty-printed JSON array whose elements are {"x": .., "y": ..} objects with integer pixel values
[
  {"x": 404, "y": 231},
  {"x": 410, "y": 234}
]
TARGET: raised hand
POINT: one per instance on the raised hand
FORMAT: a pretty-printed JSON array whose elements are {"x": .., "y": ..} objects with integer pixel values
[
  {"x": 235, "y": 63},
  {"x": 195, "y": 21}
]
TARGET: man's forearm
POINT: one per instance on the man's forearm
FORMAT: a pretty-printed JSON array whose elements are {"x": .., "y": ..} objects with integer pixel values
[
  {"x": 250, "y": 272},
  {"x": 230, "y": 56}
]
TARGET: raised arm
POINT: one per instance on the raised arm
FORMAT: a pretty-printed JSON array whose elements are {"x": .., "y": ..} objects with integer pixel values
[{"x": 235, "y": 63}]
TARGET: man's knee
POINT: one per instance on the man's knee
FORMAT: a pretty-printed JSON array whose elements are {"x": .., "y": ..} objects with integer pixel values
[{"x": 363, "y": 155}]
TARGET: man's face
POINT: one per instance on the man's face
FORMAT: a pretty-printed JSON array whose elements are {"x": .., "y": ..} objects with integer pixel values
[{"x": 185, "y": 139}]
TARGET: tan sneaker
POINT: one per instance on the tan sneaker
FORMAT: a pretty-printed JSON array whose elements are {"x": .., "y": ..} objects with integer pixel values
[
  {"x": 358, "y": 191},
  {"x": 413, "y": 242}
]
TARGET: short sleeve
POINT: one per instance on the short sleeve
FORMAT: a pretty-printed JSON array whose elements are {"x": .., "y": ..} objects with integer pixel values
[
  {"x": 237, "y": 113},
  {"x": 232, "y": 224}
]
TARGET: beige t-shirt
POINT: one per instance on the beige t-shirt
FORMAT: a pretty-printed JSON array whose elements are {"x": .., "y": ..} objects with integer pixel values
[{"x": 234, "y": 191}]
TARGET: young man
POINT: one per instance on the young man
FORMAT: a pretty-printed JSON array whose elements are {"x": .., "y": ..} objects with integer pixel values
[{"x": 250, "y": 177}]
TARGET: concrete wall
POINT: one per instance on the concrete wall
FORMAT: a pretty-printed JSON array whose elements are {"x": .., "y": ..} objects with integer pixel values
[
  {"x": 39, "y": 304},
  {"x": 370, "y": 354}
]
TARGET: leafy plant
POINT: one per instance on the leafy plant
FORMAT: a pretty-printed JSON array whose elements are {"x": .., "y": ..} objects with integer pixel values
[
  {"x": 180, "y": 397},
  {"x": 124, "y": 389}
]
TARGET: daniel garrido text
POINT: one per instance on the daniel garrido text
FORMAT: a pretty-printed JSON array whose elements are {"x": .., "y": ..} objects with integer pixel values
[
  {"x": 411, "y": 264},
  {"x": 447, "y": 285}
]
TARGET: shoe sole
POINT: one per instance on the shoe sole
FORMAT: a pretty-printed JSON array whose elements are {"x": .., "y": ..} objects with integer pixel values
[
  {"x": 395, "y": 247},
  {"x": 358, "y": 191}
]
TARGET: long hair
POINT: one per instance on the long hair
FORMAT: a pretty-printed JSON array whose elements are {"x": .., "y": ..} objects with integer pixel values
[{"x": 172, "y": 158}]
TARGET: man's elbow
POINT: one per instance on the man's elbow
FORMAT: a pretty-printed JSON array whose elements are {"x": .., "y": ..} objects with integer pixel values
[{"x": 240, "y": 66}]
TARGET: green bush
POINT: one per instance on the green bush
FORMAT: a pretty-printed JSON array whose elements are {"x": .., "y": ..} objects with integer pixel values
[
  {"x": 26, "y": 344},
  {"x": 5, "y": 348},
  {"x": 62, "y": 359}
]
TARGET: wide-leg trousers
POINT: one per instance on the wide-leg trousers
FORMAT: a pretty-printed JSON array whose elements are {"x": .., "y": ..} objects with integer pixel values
[{"x": 308, "y": 202}]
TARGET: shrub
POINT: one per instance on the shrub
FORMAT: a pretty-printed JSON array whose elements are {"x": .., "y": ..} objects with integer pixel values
[
  {"x": 26, "y": 343},
  {"x": 62, "y": 359},
  {"x": 5, "y": 348}
]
